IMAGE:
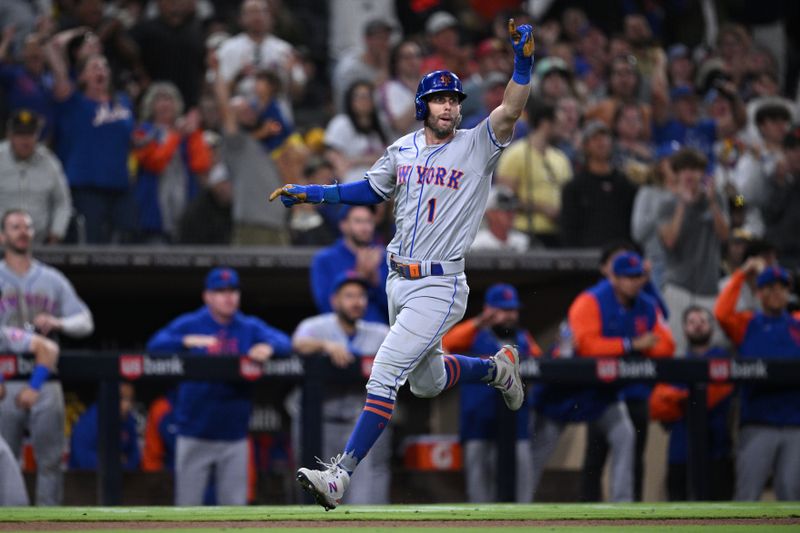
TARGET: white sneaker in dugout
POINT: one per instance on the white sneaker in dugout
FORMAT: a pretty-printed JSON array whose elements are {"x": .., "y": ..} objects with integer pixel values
[
  {"x": 507, "y": 378},
  {"x": 326, "y": 486}
]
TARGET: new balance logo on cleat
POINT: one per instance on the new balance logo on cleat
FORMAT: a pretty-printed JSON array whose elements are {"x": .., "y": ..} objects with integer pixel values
[
  {"x": 507, "y": 378},
  {"x": 327, "y": 486}
]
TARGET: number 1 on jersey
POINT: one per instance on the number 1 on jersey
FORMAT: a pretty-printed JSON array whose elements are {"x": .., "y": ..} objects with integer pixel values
[{"x": 431, "y": 210}]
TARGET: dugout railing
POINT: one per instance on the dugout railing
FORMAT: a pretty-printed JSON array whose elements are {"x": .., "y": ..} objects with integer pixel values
[{"x": 107, "y": 369}]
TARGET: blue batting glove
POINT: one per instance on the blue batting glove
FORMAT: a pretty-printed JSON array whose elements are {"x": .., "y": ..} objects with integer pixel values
[
  {"x": 298, "y": 194},
  {"x": 521, "y": 38}
]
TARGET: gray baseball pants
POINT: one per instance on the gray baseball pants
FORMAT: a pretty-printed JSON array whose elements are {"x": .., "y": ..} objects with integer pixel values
[
  {"x": 194, "y": 459},
  {"x": 615, "y": 424},
  {"x": 45, "y": 422},
  {"x": 765, "y": 450},
  {"x": 480, "y": 471},
  {"x": 12, "y": 486}
]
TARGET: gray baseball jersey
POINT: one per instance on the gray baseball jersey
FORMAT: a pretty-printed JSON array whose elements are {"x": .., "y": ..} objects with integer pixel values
[
  {"x": 439, "y": 191},
  {"x": 42, "y": 289},
  {"x": 343, "y": 404}
]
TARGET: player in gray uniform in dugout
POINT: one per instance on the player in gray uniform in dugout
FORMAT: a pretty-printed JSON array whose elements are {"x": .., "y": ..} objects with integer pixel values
[
  {"x": 37, "y": 298},
  {"x": 439, "y": 177}
]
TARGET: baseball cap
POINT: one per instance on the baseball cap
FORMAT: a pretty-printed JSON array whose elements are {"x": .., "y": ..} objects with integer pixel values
[
  {"x": 681, "y": 91},
  {"x": 552, "y": 64},
  {"x": 222, "y": 278},
  {"x": 594, "y": 127},
  {"x": 677, "y": 51},
  {"x": 348, "y": 276},
  {"x": 24, "y": 122},
  {"x": 502, "y": 296},
  {"x": 628, "y": 264},
  {"x": 773, "y": 274},
  {"x": 441, "y": 20},
  {"x": 376, "y": 26},
  {"x": 501, "y": 198},
  {"x": 488, "y": 46}
]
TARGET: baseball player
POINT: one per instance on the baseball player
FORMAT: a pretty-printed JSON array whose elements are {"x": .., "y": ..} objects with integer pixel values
[
  {"x": 345, "y": 336},
  {"x": 769, "y": 421},
  {"x": 37, "y": 297},
  {"x": 614, "y": 318},
  {"x": 212, "y": 417},
  {"x": 12, "y": 486},
  {"x": 498, "y": 324},
  {"x": 439, "y": 177}
]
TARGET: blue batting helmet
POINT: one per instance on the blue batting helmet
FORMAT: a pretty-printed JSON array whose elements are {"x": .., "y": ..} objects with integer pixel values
[{"x": 438, "y": 81}]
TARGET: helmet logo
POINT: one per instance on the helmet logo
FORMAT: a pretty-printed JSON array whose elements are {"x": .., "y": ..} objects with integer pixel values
[{"x": 445, "y": 79}]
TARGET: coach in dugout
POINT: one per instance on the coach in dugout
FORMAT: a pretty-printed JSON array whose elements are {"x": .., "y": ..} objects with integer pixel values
[
  {"x": 769, "y": 434},
  {"x": 212, "y": 417},
  {"x": 614, "y": 318},
  {"x": 497, "y": 325}
]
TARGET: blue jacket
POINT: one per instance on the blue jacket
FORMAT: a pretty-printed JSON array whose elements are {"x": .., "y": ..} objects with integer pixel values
[
  {"x": 332, "y": 261},
  {"x": 216, "y": 410},
  {"x": 602, "y": 327},
  {"x": 83, "y": 442},
  {"x": 760, "y": 336}
]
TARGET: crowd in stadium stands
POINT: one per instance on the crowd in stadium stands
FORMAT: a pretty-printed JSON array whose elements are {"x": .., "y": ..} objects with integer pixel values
[{"x": 666, "y": 133}]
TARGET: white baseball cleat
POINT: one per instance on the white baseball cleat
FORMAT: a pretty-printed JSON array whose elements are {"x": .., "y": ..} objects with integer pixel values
[
  {"x": 507, "y": 378},
  {"x": 326, "y": 486}
]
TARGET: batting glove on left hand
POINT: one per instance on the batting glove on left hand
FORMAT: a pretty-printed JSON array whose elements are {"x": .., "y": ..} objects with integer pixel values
[
  {"x": 521, "y": 38},
  {"x": 298, "y": 194}
]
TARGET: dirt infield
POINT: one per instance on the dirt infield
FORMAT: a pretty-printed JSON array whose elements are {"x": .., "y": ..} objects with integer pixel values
[{"x": 470, "y": 524}]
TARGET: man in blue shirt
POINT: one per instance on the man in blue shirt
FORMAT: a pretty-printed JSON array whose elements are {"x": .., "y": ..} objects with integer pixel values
[
  {"x": 357, "y": 252},
  {"x": 212, "y": 417}
]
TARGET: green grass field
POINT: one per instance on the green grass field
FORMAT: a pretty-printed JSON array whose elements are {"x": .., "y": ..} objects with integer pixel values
[{"x": 186, "y": 519}]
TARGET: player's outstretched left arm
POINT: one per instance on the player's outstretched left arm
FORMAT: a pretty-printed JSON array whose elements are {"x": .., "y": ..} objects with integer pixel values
[
  {"x": 355, "y": 193},
  {"x": 504, "y": 116}
]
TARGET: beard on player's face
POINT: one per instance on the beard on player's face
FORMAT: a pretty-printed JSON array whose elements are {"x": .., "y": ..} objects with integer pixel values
[
  {"x": 442, "y": 132},
  {"x": 699, "y": 338}
]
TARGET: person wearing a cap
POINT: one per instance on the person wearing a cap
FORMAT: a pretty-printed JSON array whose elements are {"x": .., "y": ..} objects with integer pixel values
[
  {"x": 442, "y": 30},
  {"x": 347, "y": 338},
  {"x": 498, "y": 231},
  {"x": 596, "y": 204},
  {"x": 356, "y": 251},
  {"x": 782, "y": 210},
  {"x": 496, "y": 325},
  {"x": 676, "y": 117},
  {"x": 536, "y": 171},
  {"x": 613, "y": 318},
  {"x": 692, "y": 225},
  {"x": 213, "y": 416},
  {"x": 769, "y": 419},
  {"x": 680, "y": 68},
  {"x": 492, "y": 96},
  {"x": 32, "y": 178},
  {"x": 554, "y": 79},
  {"x": 369, "y": 62}
]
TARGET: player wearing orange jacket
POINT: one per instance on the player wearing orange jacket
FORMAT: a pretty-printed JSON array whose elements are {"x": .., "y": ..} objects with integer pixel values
[
  {"x": 497, "y": 325},
  {"x": 611, "y": 319},
  {"x": 668, "y": 405},
  {"x": 769, "y": 435}
]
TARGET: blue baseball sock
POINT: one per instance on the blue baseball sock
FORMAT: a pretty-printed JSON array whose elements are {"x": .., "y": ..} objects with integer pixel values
[
  {"x": 373, "y": 420},
  {"x": 468, "y": 369}
]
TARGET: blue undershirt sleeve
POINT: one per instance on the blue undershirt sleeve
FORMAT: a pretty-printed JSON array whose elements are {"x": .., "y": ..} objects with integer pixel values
[{"x": 355, "y": 193}]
